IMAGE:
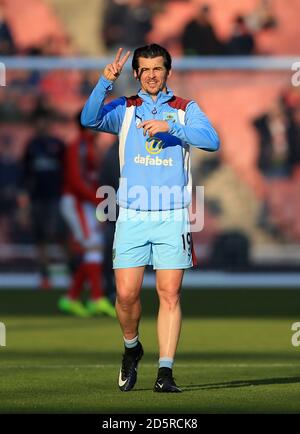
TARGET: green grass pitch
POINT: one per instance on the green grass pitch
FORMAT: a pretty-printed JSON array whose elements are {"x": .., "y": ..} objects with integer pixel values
[{"x": 235, "y": 356}]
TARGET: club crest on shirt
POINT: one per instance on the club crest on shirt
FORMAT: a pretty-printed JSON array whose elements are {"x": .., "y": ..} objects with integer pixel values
[{"x": 169, "y": 116}]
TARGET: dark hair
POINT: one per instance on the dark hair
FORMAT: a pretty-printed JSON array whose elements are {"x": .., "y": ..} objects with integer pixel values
[{"x": 149, "y": 52}]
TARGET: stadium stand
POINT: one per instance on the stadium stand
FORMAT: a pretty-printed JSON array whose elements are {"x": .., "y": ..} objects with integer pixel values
[
  {"x": 88, "y": 19},
  {"x": 282, "y": 39},
  {"x": 232, "y": 99},
  {"x": 40, "y": 22}
]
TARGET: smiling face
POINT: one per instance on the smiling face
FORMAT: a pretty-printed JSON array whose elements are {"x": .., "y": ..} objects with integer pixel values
[{"x": 152, "y": 75}]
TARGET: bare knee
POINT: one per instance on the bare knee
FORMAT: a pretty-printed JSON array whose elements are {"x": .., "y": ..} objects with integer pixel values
[
  {"x": 128, "y": 283},
  {"x": 126, "y": 298},
  {"x": 169, "y": 296}
]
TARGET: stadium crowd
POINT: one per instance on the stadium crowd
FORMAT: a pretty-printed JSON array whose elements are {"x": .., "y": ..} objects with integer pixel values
[{"x": 57, "y": 97}]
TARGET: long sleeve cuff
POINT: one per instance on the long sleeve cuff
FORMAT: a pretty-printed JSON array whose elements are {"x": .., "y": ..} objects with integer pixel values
[{"x": 107, "y": 84}]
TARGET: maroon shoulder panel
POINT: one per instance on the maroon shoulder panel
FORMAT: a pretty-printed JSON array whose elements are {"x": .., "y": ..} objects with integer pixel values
[
  {"x": 178, "y": 103},
  {"x": 133, "y": 100}
]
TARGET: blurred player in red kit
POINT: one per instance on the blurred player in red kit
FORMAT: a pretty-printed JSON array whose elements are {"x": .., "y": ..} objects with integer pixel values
[{"x": 78, "y": 207}]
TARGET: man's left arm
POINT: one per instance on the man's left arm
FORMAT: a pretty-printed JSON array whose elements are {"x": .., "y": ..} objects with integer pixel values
[{"x": 197, "y": 129}]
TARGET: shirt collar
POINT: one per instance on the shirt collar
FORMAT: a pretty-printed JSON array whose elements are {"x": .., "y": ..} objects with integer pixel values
[{"x": 161, "y": 96}]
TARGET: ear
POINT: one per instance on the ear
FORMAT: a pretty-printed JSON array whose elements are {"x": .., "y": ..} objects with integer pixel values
[
  {"x": 135, "y": 74},
  {"x": 169, "y": 73}
]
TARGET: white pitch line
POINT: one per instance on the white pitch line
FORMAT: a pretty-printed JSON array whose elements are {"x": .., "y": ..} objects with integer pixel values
[{"x": 178, "y": 365}]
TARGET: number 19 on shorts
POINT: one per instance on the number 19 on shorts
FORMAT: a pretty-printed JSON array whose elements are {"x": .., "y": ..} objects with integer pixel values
[{"x": 187, "y": 242}]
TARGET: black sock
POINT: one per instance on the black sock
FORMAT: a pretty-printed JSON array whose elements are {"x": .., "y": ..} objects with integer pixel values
[
  {"x": 165, "y": 372},
  {"x": 133, "y": 350}
]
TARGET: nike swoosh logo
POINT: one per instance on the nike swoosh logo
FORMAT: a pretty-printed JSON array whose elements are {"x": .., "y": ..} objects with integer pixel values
[
  {"x": 160, "y": 385},
  {"x": 121, "y": 382}
]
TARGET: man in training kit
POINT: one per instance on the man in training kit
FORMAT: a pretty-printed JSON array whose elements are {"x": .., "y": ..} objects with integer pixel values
[{"x": 155, "y": 129}]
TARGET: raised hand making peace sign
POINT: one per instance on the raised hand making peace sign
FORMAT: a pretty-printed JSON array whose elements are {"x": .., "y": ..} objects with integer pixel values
[{"x": 114, "y": 69}]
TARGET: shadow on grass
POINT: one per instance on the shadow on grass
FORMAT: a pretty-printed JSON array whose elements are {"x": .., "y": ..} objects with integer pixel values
[{"x": 241, "y": 383}]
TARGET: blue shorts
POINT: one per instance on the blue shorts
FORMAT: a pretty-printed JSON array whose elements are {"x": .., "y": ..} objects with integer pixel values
[{"x": 159, "y": 238}]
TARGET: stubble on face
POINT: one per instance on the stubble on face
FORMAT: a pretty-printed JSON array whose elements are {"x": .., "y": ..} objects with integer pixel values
[{"x": 152, "y": 75}]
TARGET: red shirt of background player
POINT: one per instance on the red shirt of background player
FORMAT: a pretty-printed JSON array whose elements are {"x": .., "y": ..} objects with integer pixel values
[{"x": 81, "y": 171}]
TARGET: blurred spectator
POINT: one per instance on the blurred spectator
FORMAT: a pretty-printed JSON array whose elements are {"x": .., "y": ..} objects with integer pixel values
[
  {"x": 295, "y": 139},
  {"x": 199, "y": 37},
  {"x": 78, "y": 207},
  {"x": 126, "y": 23},
  {"x": 7, "y": 45},
  {"x": 112, "y": 23},
  {"x": 40, "y": 187},
  {"x": 262, "y": 17},
  {"x": 277, "y": 142},
  {"x": 8, "y": 177},
  {"x": 241, "y": 42},
  {"x": 279, "y": 155}
]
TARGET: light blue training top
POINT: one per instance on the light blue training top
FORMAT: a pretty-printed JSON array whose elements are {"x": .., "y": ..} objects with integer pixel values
[{"x": 154, "y": 171}]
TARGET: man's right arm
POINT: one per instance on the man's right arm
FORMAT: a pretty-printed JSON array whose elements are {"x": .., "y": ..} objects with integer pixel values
[
  {"x": 100, "y": 117},
  {"x": 109, "y": 117}
]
